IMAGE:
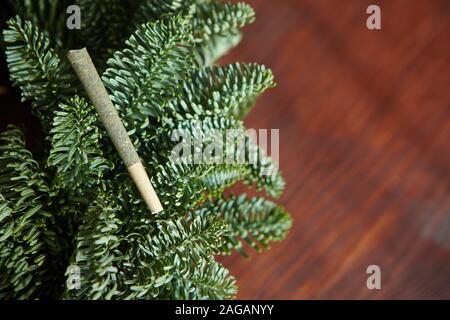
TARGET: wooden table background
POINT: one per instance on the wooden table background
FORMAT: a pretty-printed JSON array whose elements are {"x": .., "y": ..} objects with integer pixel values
[{"x": 364, "y": 119}]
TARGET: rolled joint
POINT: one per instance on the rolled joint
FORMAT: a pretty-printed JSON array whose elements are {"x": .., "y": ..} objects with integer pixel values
[
  {"x": 145, "y": 188},
  {"x": 96, "y": 91}
]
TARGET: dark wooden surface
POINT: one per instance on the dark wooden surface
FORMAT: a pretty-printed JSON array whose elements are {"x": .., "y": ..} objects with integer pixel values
[{"x": 364, "y": 119}]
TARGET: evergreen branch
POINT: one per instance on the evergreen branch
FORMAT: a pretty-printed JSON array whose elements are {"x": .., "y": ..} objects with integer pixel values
[
  {"x": 241, "y": 155},
  {"x": 216, "y": 25},
  {"x": 145, "y": 75},
  {"x": 210, "y": 51},
  {"x": 178, "y": 244},
  {"x": 210, "y": 280},
  {"x": 223, "y": 177},
  {"x": 179, "y": 185},
  {"x": 151, "y": 10},
  {"x": 263, "y": 172},
  {"x": 210, "y": 168},
  {"x": 97, "y": 252},
  {"x": 260, "y": 173},
  {"x": 159, "y": 84},
  {"x": 48, "y": 15},
  {"x": 229, "y": 89},
  {"x": 36, "y": 68},
  {"x": 76, "y": 152},
  {"x": 199, "y": 129},
  {"x": 216, "y": 28},
  {"x": 177, "y": 248},
  {"x": 220, "y": 19},
  {"x": 25, "y": 234},
  {"x": 103, "y": 28},
  {"x": 256, "y": 221}
]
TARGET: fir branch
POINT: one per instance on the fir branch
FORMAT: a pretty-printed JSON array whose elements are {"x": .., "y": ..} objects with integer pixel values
[
  {"x": 99, "y": 222},
  {"x": 103, "y": 28},
  {"x": 36, "y": 68},
  {"x": 145, "y": 75},
  {"x": 256, "y": 221},
  {"x": 229, "y": 89},
  {"x": 241, "y": 155},
  {"x": 210, "y": 51},
  {"x": 216, "y": 29},
  {"x": 220, "y": 19},
  {"x": 216, "y": 25},
  {"x": 210, "y": 280},
  {"x": 179, "y": 185},
  {"x": 151, "y": 10},
  {"x": 26, "y": 240},
  {"x": 47, "y": 15},
  {"x": 97, "y": 252},
  {"x": 75, "y": 151},
  {"x": 178, "y": 244},
  {"x": 213, "y": 173},
  {"x": 224, "y": 177},
  {"x": 177, "y": 248},
  {"x": 263, "y": 172}
]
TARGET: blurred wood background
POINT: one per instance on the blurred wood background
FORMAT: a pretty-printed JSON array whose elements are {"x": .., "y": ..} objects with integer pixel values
[{"x": 364, "y": 119}]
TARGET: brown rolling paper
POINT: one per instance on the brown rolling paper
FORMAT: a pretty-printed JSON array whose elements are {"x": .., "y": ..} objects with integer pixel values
[{"x": 96, "y": 91}]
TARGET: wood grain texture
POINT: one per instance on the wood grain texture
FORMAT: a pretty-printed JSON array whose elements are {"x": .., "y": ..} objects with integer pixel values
[{"x": 364, "y": 120}]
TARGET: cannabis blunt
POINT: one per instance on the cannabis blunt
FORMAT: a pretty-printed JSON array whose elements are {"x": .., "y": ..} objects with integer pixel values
[{"x": 96, "y": 91}]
